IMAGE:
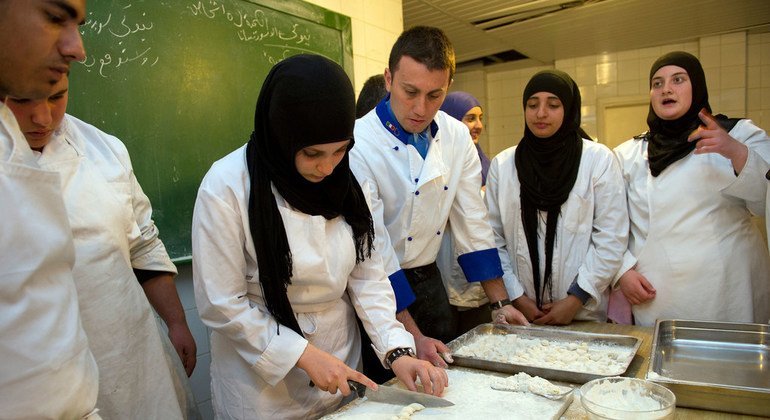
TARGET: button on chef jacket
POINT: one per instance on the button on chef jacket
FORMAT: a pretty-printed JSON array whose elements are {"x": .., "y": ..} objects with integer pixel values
[{"x": 414, "y": 197}]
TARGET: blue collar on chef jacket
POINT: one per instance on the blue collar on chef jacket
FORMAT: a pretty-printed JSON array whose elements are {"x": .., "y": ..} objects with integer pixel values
[{"x": 391, "y": 124}]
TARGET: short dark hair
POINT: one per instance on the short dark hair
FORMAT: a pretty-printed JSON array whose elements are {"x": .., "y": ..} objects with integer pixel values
[
  {"x": 427, "y": 45},
  {"x": 371, "y": 94}
]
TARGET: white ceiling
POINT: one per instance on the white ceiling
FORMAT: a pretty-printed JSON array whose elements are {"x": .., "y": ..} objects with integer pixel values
[{"x": 547, "y": 30}]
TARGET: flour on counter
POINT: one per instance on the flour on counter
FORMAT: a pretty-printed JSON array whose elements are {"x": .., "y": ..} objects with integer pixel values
[
  {"x": 473, "y": 398},
  {"x": 604, "y": 359}
]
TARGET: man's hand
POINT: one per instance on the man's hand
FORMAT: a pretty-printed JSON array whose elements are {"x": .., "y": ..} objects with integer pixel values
[
  {"x": 433, "y": 379},
  {"x": 560, "y": 312},
  {"x": 182, "y": 340},
  {"x": 430, "y": 350},
  {"x": 509, "y": 315},
  {"x": 528, "y": 307},
  {"x": 636, "y": 288}
]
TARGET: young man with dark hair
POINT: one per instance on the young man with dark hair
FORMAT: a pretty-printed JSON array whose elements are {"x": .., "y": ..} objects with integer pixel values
[{"x": 424, "y": 172}]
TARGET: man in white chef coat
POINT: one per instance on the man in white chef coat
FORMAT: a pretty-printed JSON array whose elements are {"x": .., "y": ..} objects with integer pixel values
[
  {"x": 425, "y": 172},
  {"x": 47, "y": 369}
]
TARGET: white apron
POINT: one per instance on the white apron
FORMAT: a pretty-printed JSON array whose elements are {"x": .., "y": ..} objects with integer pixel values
[
  {"x": 135, "y": 378},
  {"x": 46, "y": 368},
  {"x": 320, "y": 249},
  {"x": 703, "y": 254}
]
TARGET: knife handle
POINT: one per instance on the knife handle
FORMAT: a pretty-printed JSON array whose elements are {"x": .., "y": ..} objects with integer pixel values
[{"x": 357, "y": 387}]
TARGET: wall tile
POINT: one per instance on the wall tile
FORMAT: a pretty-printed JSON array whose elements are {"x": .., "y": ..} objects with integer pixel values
[
  {"x": 733, "y": 38},
  {"x": 733, "y": 77},
  {"x": 710, "y": 56},
  {"x": 628, "y": 70},
  {"x": 606, "y": 73},
  {"x": 733, "y": 54},
  {"x": 628, "y": 88},
  {"x": 184, "y": 286},
  {"x": 199, "y": 331},
  {"x": 710, "y": 41},
  {"x": 733, "y": 99}
]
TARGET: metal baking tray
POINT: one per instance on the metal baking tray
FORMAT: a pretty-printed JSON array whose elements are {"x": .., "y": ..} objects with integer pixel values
[
  {"x": 720, "y": 366},
  {"x": 626, "y": 343}
]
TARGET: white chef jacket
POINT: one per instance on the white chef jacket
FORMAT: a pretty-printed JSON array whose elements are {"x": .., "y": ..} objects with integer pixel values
[
  {"x": 591, "y": 232},
  {"x": 47, "y": 370},
  {"x": 413, "y": 198},
  {"x": 751, "y": 184},
  {"x": 114, "y": 233},
  {"x": 253, "y": 361},
  {"x": 693, "y": 240}
]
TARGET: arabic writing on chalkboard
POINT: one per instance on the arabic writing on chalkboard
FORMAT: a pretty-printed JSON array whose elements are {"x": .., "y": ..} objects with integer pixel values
[
  {"x": 122, "y": 28},
  {"x": 256, "y": 26}
]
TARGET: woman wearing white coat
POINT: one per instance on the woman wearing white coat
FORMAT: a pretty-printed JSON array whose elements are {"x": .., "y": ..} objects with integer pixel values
[
  {"x": 140, "y": 375},
  {"x": 557, "y": 206},
  {"x": 693, "y": 252},
  {"x": 282, "y": 257}
]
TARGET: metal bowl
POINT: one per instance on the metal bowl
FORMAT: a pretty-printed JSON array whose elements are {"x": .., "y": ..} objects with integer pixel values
[{"x": 627, "y": 398}]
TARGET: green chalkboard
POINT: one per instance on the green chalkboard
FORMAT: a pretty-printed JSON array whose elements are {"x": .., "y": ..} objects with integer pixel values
[{"x": 177, "y": 82}]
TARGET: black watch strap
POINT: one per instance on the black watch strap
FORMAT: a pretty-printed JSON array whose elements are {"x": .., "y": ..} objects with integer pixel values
[
  {"x": 499, "y": 304},
  {"x": 396, "y": 353}
]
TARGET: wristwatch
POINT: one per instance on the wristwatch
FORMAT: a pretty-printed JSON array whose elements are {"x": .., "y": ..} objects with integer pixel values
[
  {"x": 396, "y": 353},
  {"x": 499, "y": 304}
]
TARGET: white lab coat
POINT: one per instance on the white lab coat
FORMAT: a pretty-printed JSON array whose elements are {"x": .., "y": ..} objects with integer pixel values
[
  {"x": 113, "y": 233},
  {"x": 414, "y": 198},
  {"x": 591, "y": 232},
  {"x": 253, "y": 373},
  {"x": 693, "y": 240},
  {"x": 752, "y": 186},
  {"x": 46, "y": 368}
]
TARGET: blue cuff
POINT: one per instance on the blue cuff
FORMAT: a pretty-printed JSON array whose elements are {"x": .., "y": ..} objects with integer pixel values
[
  {"x": 578, "y": 292},
  {"x": 404, "y": 294},
  {"x": 481, "y": 265}
]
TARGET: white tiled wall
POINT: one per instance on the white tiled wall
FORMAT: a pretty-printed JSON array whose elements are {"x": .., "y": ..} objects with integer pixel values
[
  {"x": 375, "y": 26},
  {"x": 737, "y": 68}
]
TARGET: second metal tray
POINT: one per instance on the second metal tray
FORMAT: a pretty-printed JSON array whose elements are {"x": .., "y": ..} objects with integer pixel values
[
  {"x": 713, "y": 365},
  {"x": 629, "y": 344}
]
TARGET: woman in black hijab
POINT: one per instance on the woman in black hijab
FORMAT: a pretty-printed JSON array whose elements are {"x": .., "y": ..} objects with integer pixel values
[
  {"x": 693, "y": 253},
  {"x": 283, "y": 257},
  {"x": 556, "y": 202}
]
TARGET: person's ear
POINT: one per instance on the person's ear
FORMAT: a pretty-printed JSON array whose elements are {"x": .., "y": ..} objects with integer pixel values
[{"x": 388, "y": 79}]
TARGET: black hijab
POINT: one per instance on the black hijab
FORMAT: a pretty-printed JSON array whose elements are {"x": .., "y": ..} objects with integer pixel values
[
  {"x": 668, "y": 139},
  {"x": 305, "y": 100},
  {"x": 547, "y": 169}
]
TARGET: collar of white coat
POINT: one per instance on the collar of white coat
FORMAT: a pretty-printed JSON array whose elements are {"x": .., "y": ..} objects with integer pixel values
[{"x": 393, "y": 126}]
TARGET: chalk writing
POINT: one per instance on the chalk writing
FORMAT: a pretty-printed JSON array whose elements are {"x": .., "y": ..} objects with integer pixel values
[
  {"x": 257, "y": 27},
  {"x": 122, "y": 26}
]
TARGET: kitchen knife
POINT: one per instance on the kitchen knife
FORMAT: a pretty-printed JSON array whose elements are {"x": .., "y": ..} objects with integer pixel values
[{"x": 391, "y": 395}]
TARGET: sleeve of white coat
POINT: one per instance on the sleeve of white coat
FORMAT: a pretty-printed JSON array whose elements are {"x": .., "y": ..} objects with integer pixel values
[
  {"x": 609, "y": 234},
  {"x": 751, "y": 184},
  {"x": 628, "y": 260},
  {"x": 147, "y": 250},
  {"x": 400, "y": 285},
  {"x": 492, "y": 198},
  {"x": 372, "y": 296},
  {"x": 219, "y": 267},
  {"x": 474, "y": 240}
]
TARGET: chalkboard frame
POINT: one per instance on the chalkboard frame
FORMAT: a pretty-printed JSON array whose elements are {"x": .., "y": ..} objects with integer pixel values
[{"x": 113, "y": 111}]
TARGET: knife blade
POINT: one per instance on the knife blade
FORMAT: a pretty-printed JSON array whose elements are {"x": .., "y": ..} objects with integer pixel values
[{"x": 391, "y": 395}]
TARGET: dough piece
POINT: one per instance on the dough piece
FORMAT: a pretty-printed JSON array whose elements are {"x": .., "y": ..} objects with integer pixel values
[{"x": 407, "y": 412}]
